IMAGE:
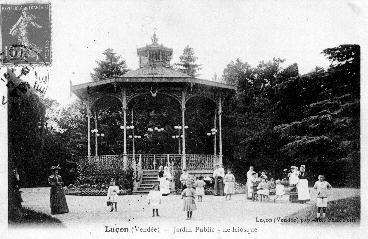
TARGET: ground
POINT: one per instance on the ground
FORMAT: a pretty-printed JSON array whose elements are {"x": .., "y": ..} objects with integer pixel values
[{"x": 134, "y": 208}]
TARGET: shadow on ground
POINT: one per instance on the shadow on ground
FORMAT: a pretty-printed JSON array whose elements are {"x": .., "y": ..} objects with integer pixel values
[{"x": 31, "y": 217}]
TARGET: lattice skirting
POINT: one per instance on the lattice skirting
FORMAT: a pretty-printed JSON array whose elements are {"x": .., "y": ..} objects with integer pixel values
[{"x": 92, "y": 192}]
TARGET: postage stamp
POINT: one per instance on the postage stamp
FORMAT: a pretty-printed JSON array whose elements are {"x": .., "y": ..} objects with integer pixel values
[{"x": 26, "y": 33}]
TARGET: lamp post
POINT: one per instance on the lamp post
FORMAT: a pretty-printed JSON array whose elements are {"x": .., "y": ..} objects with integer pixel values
[
  {"x": 133, "y": 137},
  {"x": 95, "y": 131},
  {"x": 132, "y": 128},
  {"x": 177, "y": 137},
  {"x": 179, "y": 128},
  {"x": 213, "y": 132}
]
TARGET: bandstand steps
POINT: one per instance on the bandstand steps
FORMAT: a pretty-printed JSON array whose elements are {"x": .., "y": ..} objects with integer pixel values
[{"x": 149, "y": 180}]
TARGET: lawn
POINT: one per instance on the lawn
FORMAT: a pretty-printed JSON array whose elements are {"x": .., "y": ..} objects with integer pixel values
[{"x": 342, "y": 211}]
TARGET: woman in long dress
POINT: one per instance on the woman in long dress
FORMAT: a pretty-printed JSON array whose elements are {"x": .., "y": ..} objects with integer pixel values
[
  {"x": 219, "y": 175},
  {"x": 229, "y": 184},
  {"x": 164, "y": 186},
  {"x": 167, "y": 174},
  {"x": 58, "y": 203},
  {"x": 249, "y": 182},
  {"x": 293, "y": 181},
  {"x": 302, "y": 186}
]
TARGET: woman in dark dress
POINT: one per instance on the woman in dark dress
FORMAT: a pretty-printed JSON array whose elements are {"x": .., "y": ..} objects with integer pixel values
[{"x": 58, "y": 203}]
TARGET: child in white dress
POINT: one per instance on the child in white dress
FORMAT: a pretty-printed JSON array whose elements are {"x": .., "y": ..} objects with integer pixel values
[
  {"x": 280, "y": 190},
  {"x": 154, "y": 200},
  {"x": 199, "y": 186},
  {"x": 112, "y": 195}
]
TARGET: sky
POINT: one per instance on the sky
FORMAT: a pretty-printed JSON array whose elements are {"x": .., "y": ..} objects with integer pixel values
[{"x": 219, "y": 32}]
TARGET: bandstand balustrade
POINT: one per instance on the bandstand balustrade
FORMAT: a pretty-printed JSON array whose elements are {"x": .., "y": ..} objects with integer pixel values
[{"x": 115, "y": 164}]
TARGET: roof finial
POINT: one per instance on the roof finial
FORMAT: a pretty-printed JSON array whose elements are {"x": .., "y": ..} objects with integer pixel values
[{"x": 154, "y": 37}]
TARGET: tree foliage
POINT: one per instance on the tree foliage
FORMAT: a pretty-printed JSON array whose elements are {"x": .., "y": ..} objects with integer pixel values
[
  {"x": 187, "y": 62},
  {"x": 285, "y": 119},
  {"x": 112, "y": 66}
]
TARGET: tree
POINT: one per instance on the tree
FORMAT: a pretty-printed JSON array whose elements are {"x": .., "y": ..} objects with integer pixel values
[
  {"x": 112, "y": 66},
  {"x": 187, "y": 63},
  {"x": 326, "y": 134}
]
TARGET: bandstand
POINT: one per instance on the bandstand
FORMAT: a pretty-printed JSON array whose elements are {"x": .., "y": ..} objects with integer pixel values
[{"x": 154, "y": 77}]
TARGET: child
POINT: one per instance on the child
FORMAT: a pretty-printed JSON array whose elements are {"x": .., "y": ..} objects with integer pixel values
[
  {"x": 263, "y": 189},
  {"x": 154, "y": 200},
  {"x": 322, "y": 188},
  {"x": 280, "y": 190},
  {"x": 188, "y": 195},
  {"x": 229, "y": 184},
  {"x": 199, "y": 185},
  {"x": 112, "y": 195}
]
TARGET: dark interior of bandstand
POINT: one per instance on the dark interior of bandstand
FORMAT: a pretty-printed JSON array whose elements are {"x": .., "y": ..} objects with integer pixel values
[{"x": 160, "y": 113}]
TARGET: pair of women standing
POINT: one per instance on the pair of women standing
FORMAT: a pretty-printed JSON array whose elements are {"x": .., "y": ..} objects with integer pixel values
[{"x": 299, "y": 191}]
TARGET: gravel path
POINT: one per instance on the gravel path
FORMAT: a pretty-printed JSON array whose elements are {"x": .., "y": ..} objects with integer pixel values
[{"x": 134, "y": 208}]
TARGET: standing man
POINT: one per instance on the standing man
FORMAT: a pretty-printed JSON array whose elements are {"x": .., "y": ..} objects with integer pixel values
[
  {"x": 249, "y": 183},
  {"x": 219, "y": 175}
]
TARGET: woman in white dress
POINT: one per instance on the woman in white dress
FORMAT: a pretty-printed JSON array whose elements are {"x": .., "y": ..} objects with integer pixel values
[
  {"x": 249, "y": 182},
  {"x": 302, "y": 186},
  {"x": 167, "y": 174},
  {"x": 164, "y": 186}
]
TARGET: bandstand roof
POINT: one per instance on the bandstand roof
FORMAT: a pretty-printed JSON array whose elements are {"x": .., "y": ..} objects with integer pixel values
[
  {"x": 137, "y": 78},
  {"x": 154, "y": 71}
]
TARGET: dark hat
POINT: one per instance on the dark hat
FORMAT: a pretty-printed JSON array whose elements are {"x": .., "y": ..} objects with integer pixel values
[{"x": 55, "y": 167}]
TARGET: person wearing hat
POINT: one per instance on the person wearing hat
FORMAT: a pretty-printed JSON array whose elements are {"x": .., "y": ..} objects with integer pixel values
[
  {"x": 58, "y": 203},
  {"x": 219, "y": 175},
  {"x": 302, "y": 186}
]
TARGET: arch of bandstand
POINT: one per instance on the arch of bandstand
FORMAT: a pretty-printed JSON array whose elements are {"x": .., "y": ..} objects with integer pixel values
[{"x": 154, "y": 77}]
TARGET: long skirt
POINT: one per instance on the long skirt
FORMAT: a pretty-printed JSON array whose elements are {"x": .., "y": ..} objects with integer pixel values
[
  {"x": 249, "y": 190},
  {"x": 303, "y": 190},
  {"x": 293, "y": 197},
  {"x": 189, "y": 204},
  {"x": 229, "y": 188},
  {"x": 57, "y": 200},
  {"x": 219, "y": 186}
]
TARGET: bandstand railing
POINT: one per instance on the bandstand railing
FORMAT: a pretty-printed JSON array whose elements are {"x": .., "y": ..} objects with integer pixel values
[{"x": 113, "y": 164}]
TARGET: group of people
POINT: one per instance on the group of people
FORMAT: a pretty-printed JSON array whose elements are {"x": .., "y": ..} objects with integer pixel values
[
  {"x": 258, "y": 187},
  {"x": 190, "y": 189},
  {"x": 262, "y": 188}
]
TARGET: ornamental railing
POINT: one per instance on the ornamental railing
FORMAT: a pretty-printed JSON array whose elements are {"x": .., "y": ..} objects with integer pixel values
[{"x": 115, "y": 164}]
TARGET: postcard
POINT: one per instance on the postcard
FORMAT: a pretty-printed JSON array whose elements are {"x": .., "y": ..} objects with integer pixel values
[{"x": 182, "y": 119}]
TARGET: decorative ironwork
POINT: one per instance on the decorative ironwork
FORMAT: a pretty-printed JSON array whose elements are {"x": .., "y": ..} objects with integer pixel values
[{"x": 115, "y": 164}]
